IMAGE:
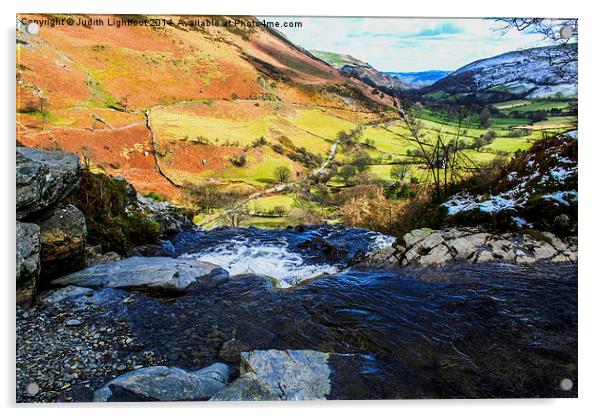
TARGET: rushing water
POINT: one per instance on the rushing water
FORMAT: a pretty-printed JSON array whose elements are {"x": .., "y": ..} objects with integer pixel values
[
  {"x": 286, "y": 254},
  {"x": 463, "y": 330}
]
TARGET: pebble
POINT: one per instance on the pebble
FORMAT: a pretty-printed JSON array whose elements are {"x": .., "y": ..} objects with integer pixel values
[{"x": 58, "y": 352}]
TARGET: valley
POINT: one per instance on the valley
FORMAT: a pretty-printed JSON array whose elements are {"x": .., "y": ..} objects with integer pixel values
[
  {"x": 218, "y": 212},
  {"x": 230, "y": 106}
]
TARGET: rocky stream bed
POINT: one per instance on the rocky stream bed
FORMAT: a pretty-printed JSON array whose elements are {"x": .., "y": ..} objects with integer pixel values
[
  {"x": 319, "y": 312},
  {"x": 464, "y": 330}
]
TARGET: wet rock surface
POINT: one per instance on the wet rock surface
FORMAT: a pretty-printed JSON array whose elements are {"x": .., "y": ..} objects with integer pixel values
[
  {"x": 161, "y": 273},
  {"x": 162, "y": 383},
  {"x": 469, "y": 330}
]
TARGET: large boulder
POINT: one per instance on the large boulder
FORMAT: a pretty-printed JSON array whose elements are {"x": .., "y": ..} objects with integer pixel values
[
  {"x": 305, "y": 375},
  {"x": 63, "y": 237},
  {"x": 43, "y": 178},
  {"x": 293, "y": 374},
  {"x": 163, "y": 273},
  {"x": 247, "y": 387},
  {"x": 28, "y": 253},
  {"x": 27, "y": 262},
  {"x": 165, "y": 384}
]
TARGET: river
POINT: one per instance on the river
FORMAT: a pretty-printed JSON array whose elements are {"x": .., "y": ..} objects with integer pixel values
[
  {"x": 494, "y": 330},
  {"x": 458, "y": 331}
]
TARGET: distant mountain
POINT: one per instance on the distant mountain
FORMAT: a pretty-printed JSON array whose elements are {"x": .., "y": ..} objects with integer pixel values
[
  {"x": 531, "y": 73},
  {"x": 419, "y": 79},
  {"x": 355, "y": 68}
]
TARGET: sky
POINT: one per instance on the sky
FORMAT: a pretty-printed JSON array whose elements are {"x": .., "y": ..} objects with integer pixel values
[{"x": 407, "y": 44}]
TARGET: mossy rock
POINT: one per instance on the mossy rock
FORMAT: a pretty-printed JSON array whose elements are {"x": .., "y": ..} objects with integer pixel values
[{"x": 107, "y": 204}]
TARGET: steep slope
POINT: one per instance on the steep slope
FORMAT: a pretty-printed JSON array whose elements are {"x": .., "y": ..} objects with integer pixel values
[
  {"x": 355, "y": 68},
  {"x": 532, "y": 73},
  {"x": 538, "y": 189},
  {"x": 116, "y": 97},
  {"x": 337, "y": 60}
]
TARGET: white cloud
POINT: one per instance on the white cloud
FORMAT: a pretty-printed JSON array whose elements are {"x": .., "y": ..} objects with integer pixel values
[{"x": 407, "y": 44}]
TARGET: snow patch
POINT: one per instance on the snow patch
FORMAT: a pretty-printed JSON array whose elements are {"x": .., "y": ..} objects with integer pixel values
[
  {"x": 520, "y": 222},
  {"x": 563, "y": 197}
]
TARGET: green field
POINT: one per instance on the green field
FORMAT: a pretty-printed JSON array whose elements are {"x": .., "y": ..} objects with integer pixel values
[
  {"x": 257, "y": 171},
  {"x": 523, "y": 106},
  {"x": 314, "y": 129},
  {"x": 268, "y": 204}
]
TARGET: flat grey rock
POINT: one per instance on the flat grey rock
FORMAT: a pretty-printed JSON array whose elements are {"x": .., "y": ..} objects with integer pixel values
[
  {"x": 163, "y": 273},
  {"x": 247, "y": 387},
  {"x": 165, "y": 384},
  {"x": 64, "y": 293},
  {"x": 292, "y": 374}
]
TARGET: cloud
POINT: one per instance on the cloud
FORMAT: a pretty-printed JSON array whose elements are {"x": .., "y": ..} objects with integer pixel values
[
  {"x": 408, "y": 44},
  {"x": 442, "y": 28}
]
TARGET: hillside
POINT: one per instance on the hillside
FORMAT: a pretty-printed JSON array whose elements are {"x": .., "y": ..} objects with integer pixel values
[
  {"x": 519, "y": 74},
  {"x": 537, "y": 190},
  {"x": 162, "y": 106},
  {"x": 419, "y": 79},
  {"x": 177, "y": 107},
  {"x": 355, "y": 68},
  {"x": 337, "y": 60}
]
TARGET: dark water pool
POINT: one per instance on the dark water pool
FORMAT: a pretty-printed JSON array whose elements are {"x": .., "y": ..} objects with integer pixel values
[{"x": 492, "y": 330}]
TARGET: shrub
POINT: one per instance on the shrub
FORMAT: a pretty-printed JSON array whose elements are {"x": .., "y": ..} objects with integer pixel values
[
  {"x": 111, "y": 222},
  {"x": 358, "y": 191},
  {"x": 259, "y": 142},
  {"x": 240, "y": 160},
  {"x": 303, "y": 216},
  {"x": 346, "y": 173},
  {"x": 306, "y": 158},
  {"x": 393, "y": 217},
  {"x": 155, "y": 196},
  {"x": 278, "y": 148},
  {"x": 279, "y": 210}
]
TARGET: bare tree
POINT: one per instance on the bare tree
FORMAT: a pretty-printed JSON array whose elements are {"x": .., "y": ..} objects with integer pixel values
[
  {"x": 444, "y": 157},
  {"x": 234, "y": 214},
  {"x": 205, "y": 195},
  {"x": 86, "y": 153},
  {"x": 347, "y": 172},
  {"x": 322, "y": 195},
  {"x": 562, "y": 58},
  {"x": 43, "y": 103},
  {"x": 124, "y": 103}
]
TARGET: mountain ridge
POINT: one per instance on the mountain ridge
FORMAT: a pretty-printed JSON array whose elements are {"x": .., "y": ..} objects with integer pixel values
[{"x": 530, "y": 73}]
